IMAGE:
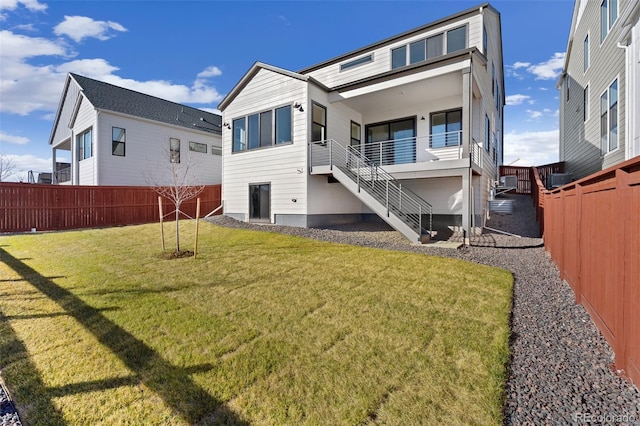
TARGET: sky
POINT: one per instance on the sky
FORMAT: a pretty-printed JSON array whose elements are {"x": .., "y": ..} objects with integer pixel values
[{"x": 194, "y": 52}]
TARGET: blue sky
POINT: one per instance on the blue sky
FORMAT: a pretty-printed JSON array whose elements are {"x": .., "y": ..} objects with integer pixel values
[{"x": 194, "y": 52}]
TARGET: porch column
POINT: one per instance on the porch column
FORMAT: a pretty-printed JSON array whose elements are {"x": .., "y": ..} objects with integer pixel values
[
  {"x": 466, "y": 204},
  {"x": 54, "y": 177},
  {"x": 466, "y": 112}
]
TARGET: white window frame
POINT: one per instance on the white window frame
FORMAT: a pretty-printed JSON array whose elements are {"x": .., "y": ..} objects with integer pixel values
[
  {"x": 610, "y": 23},
  {"x": 607, "y": 150}
]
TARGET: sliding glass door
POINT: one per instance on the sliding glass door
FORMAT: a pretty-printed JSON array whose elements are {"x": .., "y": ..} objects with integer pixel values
[
  {"x": 391, "y": 142},
  {"x": 260, "y": 202}
]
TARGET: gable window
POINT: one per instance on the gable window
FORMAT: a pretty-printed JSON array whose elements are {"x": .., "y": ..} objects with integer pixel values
[
  {"x": 85, "y": 144},
  {"x": 608, "y": 15},
  {"x": 609, "y": 118},
  {"x": 198, "y": 147},
  {"x": 356, "y": 62},
  {"x": 174, "y": 150},
  {"x": 456, "y": 39},
  {"x": 586, "y": 52},
  {"x": 446, "y": 127},
  {"x": 319, "y": 123},
  {"x": 356, "y": 134},
  {"x": 487, "y": 133},
  {"x": 118, "y": 140},
  {"x": 399, "y": 57},
  {"x": 264, "y": 129}
]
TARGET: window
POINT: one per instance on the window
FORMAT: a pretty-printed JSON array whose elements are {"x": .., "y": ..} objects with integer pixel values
[
  {"x": 399, "y": 144},
  {"x": 174, "y": 150},
  {"x": 434, "y": 46},
  {"x": 487, "y": 133},
  {"x": 445, "y": 128},
  {"x": 319, "y": 123},
  {"x": 609, "y": 118},
  {"x": 417, "y": 51},
  {"x": 85, "y": 145},
  {"x": 608, "y": 15},
  {"x": 259, "y": 202},
  {"x": 216, "y": 150},
  {"x": 585, "y": 104},
  {"x": 264, "y": 129},
  {"x": 118, "y": 140},
  {"x": 456, "y": 39},
  {"x": 586, "y": 52},
  {"x": 198, "y": 147},
  {"x": 399, "y": 57},
  {"x": 485, "y": 41},
  {"x": 356, "y": 62},
  {"x": 283, "y": 125},
  {"x": 493, "y": 79},
  {"x": 356, "y": 134},
  {"x": 567, "y": 86}
]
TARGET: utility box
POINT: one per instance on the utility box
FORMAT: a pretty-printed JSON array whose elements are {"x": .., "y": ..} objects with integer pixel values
[{"x": 556, "y": 180}]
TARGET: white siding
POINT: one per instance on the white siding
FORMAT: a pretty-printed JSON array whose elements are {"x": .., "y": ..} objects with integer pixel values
[
  {"x": 147, "y": 151},
  {"x": 444, "y": 194},
  {"x": 84, "y": 170},
  {"x": 285, "y": 166},
  {"x": 332, "y": 76},
  {"x": 62, "y": 130}
]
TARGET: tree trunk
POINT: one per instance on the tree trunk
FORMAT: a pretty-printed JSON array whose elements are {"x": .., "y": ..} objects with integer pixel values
[{"x": 177, "y": 229}]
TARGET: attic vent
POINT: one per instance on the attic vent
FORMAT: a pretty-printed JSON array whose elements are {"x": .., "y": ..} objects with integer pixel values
[{"x": 356, "y": 62}]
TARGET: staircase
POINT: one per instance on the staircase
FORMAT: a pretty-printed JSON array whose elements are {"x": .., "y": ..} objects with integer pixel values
[{"x": 401, "y": 208}]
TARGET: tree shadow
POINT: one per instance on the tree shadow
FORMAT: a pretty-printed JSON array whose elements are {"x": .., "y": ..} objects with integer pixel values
[{"x": 173, "y": 384}]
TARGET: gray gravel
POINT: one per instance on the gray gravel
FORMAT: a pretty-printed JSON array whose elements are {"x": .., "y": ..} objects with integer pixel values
[{"x": 561, "y": 366}]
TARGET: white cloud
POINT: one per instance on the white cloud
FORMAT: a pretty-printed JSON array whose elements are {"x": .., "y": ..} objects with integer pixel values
[
  {"x": 516, "y": 99},
  {"x": 550, "y": 69},
  {"x": 534, "y": 114},
  {"x": 212, "y": 110},
  {"x": 25, "y": 88},
  {"x": 11, "y": 5},
  {"x": 27, "y": 162},
  {"x": 517, "y": 65},
  {"x": 531, "y": 148},
  {"x": 19, "y": 140},
  {"x": 80, "y": 27}
]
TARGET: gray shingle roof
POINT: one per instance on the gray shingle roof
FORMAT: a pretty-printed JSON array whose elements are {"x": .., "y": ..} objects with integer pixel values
[{"x": 118, "y": 99}]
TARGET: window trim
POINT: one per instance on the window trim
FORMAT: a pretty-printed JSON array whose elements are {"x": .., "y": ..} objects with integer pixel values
[
  {"x": 585, "y": 103},
  {"x": 445, "y": 112},
  {"x": 466, "y": 38},
  {"x": 607, "y": 111},
  {"x": 81, "y": 146},
  {"x": 326, "y": 120},
  {"x": 586, "y": 60},
  {"x": 609, "y": 23},
  {"x": 487, "y": 132},
  {"x": 351, "y": 138},
  {"x": 216, "y": 150}
]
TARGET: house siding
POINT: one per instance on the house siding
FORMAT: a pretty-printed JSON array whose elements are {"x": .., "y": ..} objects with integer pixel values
[
  {"x": 580, "y": 140},
  {"x": 62, "y": 131},
  {"x": 85, "y": 119},
  {"x": 284, "y": 167}
]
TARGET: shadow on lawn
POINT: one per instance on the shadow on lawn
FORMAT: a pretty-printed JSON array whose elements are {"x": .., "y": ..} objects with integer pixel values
[{"x": 174, "y": 385}]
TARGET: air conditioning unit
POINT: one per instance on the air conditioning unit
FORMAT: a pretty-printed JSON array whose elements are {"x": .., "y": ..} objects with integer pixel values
[{"x": 556, "y": 180}]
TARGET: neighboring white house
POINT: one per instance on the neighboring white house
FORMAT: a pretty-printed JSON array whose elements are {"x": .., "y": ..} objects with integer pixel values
[
  {"x": 115, "y": 136},
  {"x": 600, "y": 87},
  {"x": 378, "y": 131}
]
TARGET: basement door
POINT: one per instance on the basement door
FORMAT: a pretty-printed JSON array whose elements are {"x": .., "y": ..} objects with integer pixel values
[{"x": 260, "y": 202}]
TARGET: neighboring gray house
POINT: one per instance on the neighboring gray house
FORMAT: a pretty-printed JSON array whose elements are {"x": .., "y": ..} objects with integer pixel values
[
  {"x": 408, "y": 128},
  {"x": 114, "y": 136},
  {"x": 600, "y": 87}
]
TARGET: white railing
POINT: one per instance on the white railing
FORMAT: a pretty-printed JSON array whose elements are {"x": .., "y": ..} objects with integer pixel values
[{"x": 437, "y": 147}]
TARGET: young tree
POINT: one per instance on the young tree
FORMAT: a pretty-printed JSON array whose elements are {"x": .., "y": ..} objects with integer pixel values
[
  {"x": 177, "y": 183},
  {"x": 7, "y": 167}
]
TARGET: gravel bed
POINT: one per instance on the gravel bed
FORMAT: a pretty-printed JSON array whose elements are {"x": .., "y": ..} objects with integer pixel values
[{"x": 561, "y": 367}]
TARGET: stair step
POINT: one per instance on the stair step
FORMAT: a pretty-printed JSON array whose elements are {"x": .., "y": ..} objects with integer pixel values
[{"x": 425, "y": 238}]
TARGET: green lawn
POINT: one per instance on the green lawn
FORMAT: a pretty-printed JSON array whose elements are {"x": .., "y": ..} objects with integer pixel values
[{"x": 260, "y": 328}]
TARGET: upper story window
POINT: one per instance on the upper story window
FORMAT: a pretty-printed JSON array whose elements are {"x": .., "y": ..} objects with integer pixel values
[
  {"x": 609, "y": 118},
  {"x": 174, "y": 150},
  {"x": 356, "y": 62},
  {"x": 586, "y": 52},
  {"x": 430, "y": 47},
  {"x": 356, "y": 134},
  {"x": 567, "y": 87},
  {"x": 264, "y": 129},
  {"x": 118, "y": 141},
  {"x": 198, "y": 147},
  {"x": 585, "y": 104},
  {"x": 319, "y": 123},
  {"x": 85, "y": 144},
  {"x": 608, "y": 15}
]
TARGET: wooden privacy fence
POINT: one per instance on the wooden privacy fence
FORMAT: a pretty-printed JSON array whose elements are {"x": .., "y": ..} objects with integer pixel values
[
  {"x": 526, "y": 184},
  {"x": 24, "y": 207},
  {"x": 592, "y": 232}
]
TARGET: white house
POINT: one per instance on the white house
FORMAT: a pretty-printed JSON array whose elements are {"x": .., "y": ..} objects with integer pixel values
[
  {"x": 408, "y": 128},
  {"x": 116, "y": 136},
  {"x": 600, "y": 87}
]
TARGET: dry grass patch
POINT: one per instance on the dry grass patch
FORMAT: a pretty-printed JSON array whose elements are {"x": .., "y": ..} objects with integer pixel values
[{"x": 260, "y": 328}]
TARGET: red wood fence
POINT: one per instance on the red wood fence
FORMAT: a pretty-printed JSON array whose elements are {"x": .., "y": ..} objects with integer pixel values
[
  {"x": 525, "y": 183},
  {"x": 55, "y": 207},
  {"x": 592, "y": 232}
]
